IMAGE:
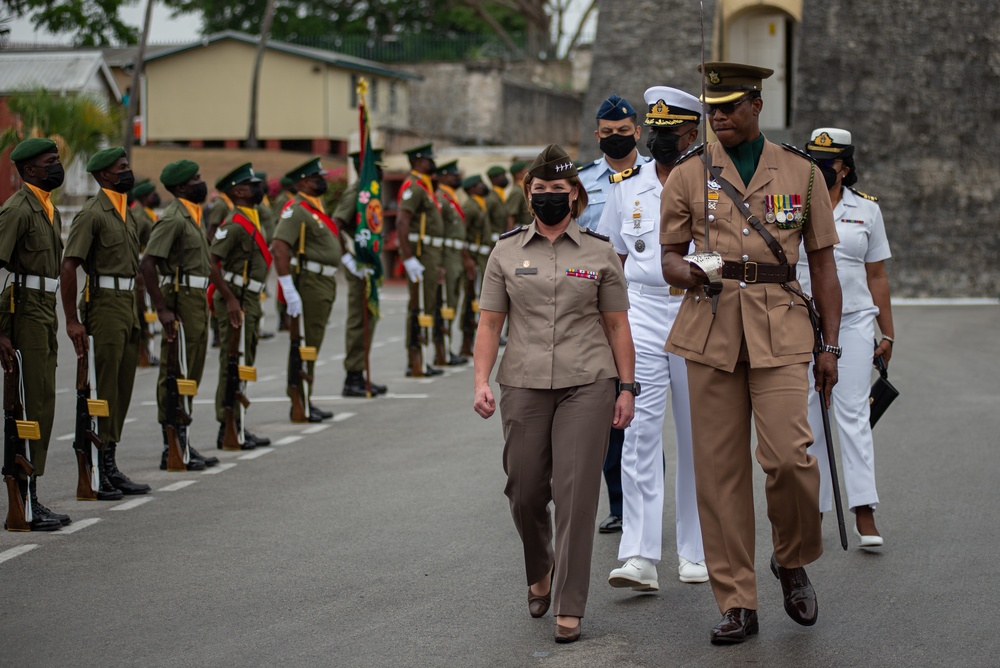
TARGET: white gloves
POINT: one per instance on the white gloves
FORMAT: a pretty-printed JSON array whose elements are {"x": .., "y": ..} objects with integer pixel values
[
  {"x": 293, "y": 302},
  {"x": 351, "y": 265},
  {"x": 414, "y": 269}
]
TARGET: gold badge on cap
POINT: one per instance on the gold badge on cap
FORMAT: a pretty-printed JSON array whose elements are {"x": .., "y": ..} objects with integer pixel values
[
  {"x": 823, "y": 140},
  {"x": 713, "y": 77}
]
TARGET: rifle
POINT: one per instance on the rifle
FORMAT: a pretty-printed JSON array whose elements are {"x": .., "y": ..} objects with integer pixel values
[
  {"x": 440, "y": 328},
  {"x": 87, "y": 443},
  {"x": 16, "y": 454},
  {"x": 175, "y": 415},
  {"x": 299, "y": 377},
  {"x": 233, "y": 435}
]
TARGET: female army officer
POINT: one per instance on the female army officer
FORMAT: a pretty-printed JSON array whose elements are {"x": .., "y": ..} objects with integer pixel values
[{"x": 564, "y": 289}]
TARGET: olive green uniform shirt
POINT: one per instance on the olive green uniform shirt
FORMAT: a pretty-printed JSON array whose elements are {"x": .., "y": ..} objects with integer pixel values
[
  {"x": 321, "y": 244},
  {"x": 517, "y": 206},
  {"x": 144, "y": 224},
  {"x": 238, "y": 249},
  {"x": 496, "y": 212},
  {"x": 357, "y": 300},
  {"x": 178, "y": 241}
]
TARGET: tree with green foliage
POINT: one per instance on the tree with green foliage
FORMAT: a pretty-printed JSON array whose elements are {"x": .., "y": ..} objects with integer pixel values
[{"x": 91, "y": 22}]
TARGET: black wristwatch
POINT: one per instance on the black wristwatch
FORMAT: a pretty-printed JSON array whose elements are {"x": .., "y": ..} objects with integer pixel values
[
  {"x": 836, "y": 350},
  {"x": 634, "y": 388}
]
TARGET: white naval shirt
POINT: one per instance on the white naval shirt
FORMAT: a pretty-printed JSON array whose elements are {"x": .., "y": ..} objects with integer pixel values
[
  {"x": 862, "y": 240},
  {"x": 594, "y": 177}
]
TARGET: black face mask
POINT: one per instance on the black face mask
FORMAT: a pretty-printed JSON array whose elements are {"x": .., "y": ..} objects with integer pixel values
[
  {"x": 550, "y": 208},
  {"x": 126, "y": 180},
  {"x": 54, "y": 177},
  {"x": 197, "y": 193},
  {"x": 616, "y": 146},
  {"x": 662, "y": 145},
  {"x": 257, "y": 193},
  {"x": 829, "y": 175},
  {"x": 321, "y": 185},
  {"x": 503, "y": 183}
]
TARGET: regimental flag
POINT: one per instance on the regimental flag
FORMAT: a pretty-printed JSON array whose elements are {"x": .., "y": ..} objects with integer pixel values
[{"x": 368, "y": 237}]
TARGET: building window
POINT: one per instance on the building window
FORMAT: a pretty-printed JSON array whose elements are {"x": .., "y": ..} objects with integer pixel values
[
  {"x": 393, "y": 98},
  {"x": 353, "y": 97}
]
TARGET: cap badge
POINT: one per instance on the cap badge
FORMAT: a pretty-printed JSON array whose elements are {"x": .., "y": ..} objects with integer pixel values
[
  {"x": 624, "y": 110},
  {"x": 823, "y": 140},
  {"x": 563, "y": 167},
  {"x": 713, "y": 77}
]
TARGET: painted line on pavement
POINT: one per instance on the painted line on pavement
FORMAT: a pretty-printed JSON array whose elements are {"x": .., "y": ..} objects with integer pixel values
[
  {"x": 267, "y": 379},
  {"x": 316, "y": 428},
  {"x": 180, "y": 484},
  {"x": 78, "y": 525},
  {"x": 7, "y": 555},
  {"x": 66, "y": 437},
  {"x": 394, "y": 339},
  {"x": 329, "y": 398},
  {"x": 255, "y": 453},
  {"x": 129, "y": 420},
  {"x": 393, "y": 395},
  {"x": 378, "y": 344},
  {"x": 932, "y": 301},
  {"x": 134, "y": 503},
  {"x": 340, "y": 417},
  {"x": 218, "y": 468},
  {"x": 288, "y": 440}
]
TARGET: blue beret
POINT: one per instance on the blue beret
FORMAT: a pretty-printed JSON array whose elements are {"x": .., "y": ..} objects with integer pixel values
[{"x": 615, "y": 108}]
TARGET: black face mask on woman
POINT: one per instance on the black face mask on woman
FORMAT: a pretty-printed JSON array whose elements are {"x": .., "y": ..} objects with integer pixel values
[
  {"x": 829, "y": 175},
  {"x": 662, "y": 145},
  {"x": 617, "y": 146},
  {"x": 550, "y": 208},
  {"x": 54, "y": 177}
]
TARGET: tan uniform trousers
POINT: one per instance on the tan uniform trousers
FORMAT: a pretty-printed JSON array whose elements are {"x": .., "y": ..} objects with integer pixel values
[
  {"x": 555, "y": 442},
  {"x": 721, "y": 407}
]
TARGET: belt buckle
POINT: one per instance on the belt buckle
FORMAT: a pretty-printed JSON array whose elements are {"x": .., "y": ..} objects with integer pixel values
[{"x": 746, "y": 277}]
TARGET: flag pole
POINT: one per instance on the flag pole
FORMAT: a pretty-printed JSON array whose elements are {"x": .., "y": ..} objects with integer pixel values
[{"x": 367, "y": 340}]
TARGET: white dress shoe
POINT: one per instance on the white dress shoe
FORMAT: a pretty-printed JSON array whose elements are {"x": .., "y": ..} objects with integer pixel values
[
  {"x": 637, "y": 573},
  {"x": 868, "y": 541},
  {"x": 692, "y": 571}
]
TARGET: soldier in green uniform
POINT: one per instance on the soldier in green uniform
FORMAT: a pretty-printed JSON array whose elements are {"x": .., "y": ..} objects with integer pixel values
[
  {"x": 145, "y": 200},
  {"x": 284, "y": 197},
  {"x": 177, "y": 260},
  {"x": 420, "y": 228},
  {"x": 458, "y": 265},
  {"x": 354, "y": 335},
  {"x": 497, "y": 200},
  {"x": 518, "y": 211},
  {"x": 240, "y": 249},
  {"x": 477, "y": 231},
  {"x": 104, "y": 237},
  {"x": 307, "y": 244},
  {"x": 30, "y": 248}
]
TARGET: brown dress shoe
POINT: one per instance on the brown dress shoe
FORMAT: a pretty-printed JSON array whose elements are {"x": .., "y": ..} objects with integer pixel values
[
  {"x": 538, "y": 605},
  {"x": 565, "y": 634},
  {"x": 798, "y": 592},
  {"x": 737, "y": 625}
]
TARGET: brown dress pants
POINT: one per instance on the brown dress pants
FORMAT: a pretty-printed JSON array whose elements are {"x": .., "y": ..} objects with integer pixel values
[
  {"x": 721, "y": 408},
  {"x": 555, "y": 442}
]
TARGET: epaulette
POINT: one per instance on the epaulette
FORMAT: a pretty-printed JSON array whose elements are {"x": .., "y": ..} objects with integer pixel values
[
  {"x": 618, "y": 177},
  {"x": 516, "y": 230},
  {"x": 695, "y": 151},
  {"x": 796, "y": 149},
  {"x": 587, "y": 230},
  {"x": 588, "y": 165},
  {"x": 866, "y": 196}
]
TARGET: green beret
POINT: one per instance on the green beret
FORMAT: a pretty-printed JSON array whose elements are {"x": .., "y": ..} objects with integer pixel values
[
  {"x": 143, "y": 188},
  {"x": 242, "y": 173},
  {"x": 33, "y": 147},
  {"x": 422, "y": 151},
  {"x": 552, "y": 163},
  {"x": 449, "y": 168},
  {"x": 307, "y": 168},
  {"x": 178, "y": 172},
  {"x": 519, "y": 166},
  {"x": 471, "y": 181},
  {"x": 105, "y": 158},
  {"x": 495, "y": 170}
]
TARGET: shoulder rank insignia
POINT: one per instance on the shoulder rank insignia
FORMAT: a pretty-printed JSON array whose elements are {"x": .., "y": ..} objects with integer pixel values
[
  {"x": 516, "y": 230},
  {"x": 695, "y": 151},
  {"x": 287, "y": 213},
  {"x": 588, "y": 165},
  {"x": 796, "y": 149},
  {"x": 866, "y": 196},
  {"x": 618, "y": 177},
  {"x": 595, "y": 234}
]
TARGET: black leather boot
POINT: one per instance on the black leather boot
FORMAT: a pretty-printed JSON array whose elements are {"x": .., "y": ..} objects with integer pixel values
[
  {"x": 192, "y": 465},
  {"x": 258, "y": 441},
  {"x": 248, "y": 442},
  {"x": 119, "y": 479},
  {"x": 194, "y": 455},
  {"x": 354, "y": 385},
  {"x": 40, "y": 510},
  {"x": 106, "y": 491}
]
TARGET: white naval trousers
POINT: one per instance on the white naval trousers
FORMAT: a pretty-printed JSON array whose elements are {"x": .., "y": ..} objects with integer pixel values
[
  {"x": 650, "y": 318},
  {"x": 851, "y": 412}
]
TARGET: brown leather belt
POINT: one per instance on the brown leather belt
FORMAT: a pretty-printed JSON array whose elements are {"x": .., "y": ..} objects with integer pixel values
[{"x": 754, "y": 272}]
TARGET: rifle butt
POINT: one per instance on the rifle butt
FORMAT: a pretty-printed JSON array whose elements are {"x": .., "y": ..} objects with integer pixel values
[
  {"x": 84, "y": 492},
  {"x": 299, "y": 413},
  {"x": 231, "y": 434},
  {"x": 15, "y": 506},
  {"x": 416, "y": 360},
  {"x": 24, "y": 465},
  {"x": 175, "y": 452}
]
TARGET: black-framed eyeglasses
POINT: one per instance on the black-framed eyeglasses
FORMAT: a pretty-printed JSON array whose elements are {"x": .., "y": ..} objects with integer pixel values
[{"x": 727, "y": 107}]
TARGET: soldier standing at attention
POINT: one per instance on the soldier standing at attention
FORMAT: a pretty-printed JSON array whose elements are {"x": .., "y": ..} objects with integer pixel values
[
  {"x": 748, "y": 351},
  {"x": 31, "y": 248},
  {"x": 145, "y": 200},
  {"x": 617, "y": 132},
  {"x": 496, "y": 201},
  {"x": 477, "y": 232},
  {"x": 355, "y": 344},
  {"x": 458, "y": 265},
  {"x": 420, "y": 228},
  {"x": 307, "y": 244},
  {"x": 518, "y": 211},
  {"x": 104, "y": 238},
  {"x": 239, "y": 249},
  {"x": 177, "y": 260}
]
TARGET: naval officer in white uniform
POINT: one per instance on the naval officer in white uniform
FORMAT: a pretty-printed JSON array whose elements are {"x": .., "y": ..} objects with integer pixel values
[
  {"x": 631, "y": 218},
  {"x": 860, "y": 257}
]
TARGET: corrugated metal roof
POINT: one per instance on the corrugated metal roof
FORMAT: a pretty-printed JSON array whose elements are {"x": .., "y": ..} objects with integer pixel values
[{"x": 64, "y": 71}]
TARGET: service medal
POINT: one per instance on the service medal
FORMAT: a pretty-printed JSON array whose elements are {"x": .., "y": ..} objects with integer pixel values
[
  {"x": 780, "y": 216},
  {"x": 798, "y": 216},
  {"x": 640, "y": 246}
]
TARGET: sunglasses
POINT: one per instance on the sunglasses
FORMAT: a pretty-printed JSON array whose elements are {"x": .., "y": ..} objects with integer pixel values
[{"x": 727, "y": 107}]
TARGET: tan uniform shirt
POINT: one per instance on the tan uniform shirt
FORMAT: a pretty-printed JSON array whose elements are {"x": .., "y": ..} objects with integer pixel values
[
  {"x": 554, "y": 294},
  {"x": 774, "y": 322}
]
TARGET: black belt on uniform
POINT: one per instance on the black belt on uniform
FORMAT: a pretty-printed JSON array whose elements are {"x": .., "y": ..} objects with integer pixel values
[{"x": 754, "y": 272}]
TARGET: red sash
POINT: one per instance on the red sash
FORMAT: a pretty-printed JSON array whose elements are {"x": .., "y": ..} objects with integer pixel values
[
  {"x": 252, "y": 230},
  {"x": 409, "y": 182},
  {"x": 454, "y": 204},
  {"x": 327, "y": 220}
]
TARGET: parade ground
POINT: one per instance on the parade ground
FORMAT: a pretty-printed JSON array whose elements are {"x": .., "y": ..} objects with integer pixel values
[{"x": 383, "y": 537}]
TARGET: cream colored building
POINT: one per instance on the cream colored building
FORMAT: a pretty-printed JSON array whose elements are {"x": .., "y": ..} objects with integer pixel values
[{"x": 199, "y": 94}]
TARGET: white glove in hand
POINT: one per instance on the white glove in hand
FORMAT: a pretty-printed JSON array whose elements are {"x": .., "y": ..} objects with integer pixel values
[
  {"x": 351, "y": 265},
  {"x": 414, "y": 269},
  {"x": 293, "y": 302}
]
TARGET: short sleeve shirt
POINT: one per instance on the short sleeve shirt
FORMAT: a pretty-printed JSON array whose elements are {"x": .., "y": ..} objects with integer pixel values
[
  {"x": 496, "y": 213},
  {"x": 554, "y": 294},
  {"x": 28, "y": 241},
  {"x": 595, "y": 179},
  {"x": 99, "y": 235},
  {"x": 517, "y": 206},
  {"x": 322, "y": 245},
  {"x": 476, "y": 225},
  {"x": 179, "y": 243},
  {"x": 143, "y": 223},
  {"x": 238, "y": 249},
  {"x": 415, "y": 199},
  {"x": 454, "y": 225}
]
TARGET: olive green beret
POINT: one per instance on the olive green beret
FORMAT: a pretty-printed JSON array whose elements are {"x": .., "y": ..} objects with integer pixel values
[
  {"x": 519, "y": 166},
  {"x": 30, "y": 148},
  {"x": 307, "y": 168},
  {"x": 495, "y": 170},
  {"x": 242, "y": 173},
  {"x": 471, "y": 181},
  {"x": 552, "y": 163},
  {"x": 449, "y": 168},
  {"x": 178, "y": 172},
  {"x": 143, "y": 188},
  {"x": 105, "y": 158}
]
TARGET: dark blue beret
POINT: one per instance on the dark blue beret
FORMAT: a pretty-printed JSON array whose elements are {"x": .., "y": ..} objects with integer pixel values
[{"x": 615, "y": 108}]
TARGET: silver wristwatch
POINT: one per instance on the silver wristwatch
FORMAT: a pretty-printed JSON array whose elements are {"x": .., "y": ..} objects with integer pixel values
[{"x": 836, "y": 350}]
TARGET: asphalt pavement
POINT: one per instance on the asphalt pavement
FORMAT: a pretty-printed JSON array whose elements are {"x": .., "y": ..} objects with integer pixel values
[{"x": 383, "y": 538}]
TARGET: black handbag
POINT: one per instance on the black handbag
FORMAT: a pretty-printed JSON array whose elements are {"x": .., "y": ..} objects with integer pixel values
[{"x": 883, "y": 392}]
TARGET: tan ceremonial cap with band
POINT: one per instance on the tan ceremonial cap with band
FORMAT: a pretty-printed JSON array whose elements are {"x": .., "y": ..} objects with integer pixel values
[{"x": 726, "y": 82}]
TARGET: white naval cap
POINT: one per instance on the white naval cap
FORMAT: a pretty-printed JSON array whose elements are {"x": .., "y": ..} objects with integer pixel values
[
  {"x": 828, "y": 143},
  {"x": 670, "y": 106}
]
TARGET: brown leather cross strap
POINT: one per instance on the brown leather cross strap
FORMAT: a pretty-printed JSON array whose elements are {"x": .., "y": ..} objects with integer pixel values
[
  {"x": 753, "y": 272},
  {"x": 754, "y": 221}
]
